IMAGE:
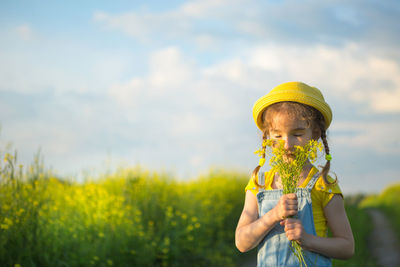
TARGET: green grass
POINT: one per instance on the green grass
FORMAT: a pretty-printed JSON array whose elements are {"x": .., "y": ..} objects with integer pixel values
[
  {"x": 389, "y": 202},
  {"x": 361, "y": 226},
  {"x": 129, "y": 218}
]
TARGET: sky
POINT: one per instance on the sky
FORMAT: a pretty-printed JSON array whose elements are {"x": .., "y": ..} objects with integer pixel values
[{"x": 170, "y": 85}]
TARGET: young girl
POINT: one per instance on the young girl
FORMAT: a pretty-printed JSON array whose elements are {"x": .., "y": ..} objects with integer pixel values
[{"x": 294, "y": 113}]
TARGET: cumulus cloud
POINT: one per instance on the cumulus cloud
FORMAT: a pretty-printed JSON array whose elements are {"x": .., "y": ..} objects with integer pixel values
[
  {"x": 188, "y": 101},
  {"x": 48, "y": 64},
  {"x": 351, "y": 68},
  {"x": 349, "y": 71},
  {"x": 377, "y": 136},
  {"x": 168, "y": 69},
  {"x": 201, "y": 22},
  {"x": 25, "y": 32},
  {"x": 312, "y": 21}
]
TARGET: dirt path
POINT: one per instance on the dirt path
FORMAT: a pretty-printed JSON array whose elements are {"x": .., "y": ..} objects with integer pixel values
[{"x": 384, "y": 245}]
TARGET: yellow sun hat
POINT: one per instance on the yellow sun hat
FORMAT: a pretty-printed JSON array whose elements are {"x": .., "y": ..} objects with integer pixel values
[{"x": 294, "y": 92}]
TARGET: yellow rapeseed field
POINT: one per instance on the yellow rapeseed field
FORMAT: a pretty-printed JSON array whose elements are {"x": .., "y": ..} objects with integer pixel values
[{"x": 129, "y": 218}]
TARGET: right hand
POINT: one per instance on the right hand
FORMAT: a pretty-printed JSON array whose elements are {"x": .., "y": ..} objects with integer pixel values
[{"x": 287, "y": 206}]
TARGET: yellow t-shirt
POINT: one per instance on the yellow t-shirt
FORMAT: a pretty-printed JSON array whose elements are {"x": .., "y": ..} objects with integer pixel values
[{"x": 321, "y": 194}]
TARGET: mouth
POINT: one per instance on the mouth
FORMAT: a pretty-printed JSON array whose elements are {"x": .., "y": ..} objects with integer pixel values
[
  {"x": 290, "y": 153},
  {"x": 290, "y": 156}
]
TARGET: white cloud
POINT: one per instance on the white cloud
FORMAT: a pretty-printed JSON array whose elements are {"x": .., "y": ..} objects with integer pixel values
[
  {"x": 48, "y": 64},
  {"x": 127, "y": 94},
  {"x": 206, "y": 41},
  {"x": 169, "y": 70},
  {"x": 201, "y": 8},
  {"x": 142, "y": 25},
  {"x": 381, "y": 137},
  {"x": 186, "y": 123},
  {"x": 234, "y": 70},
  {"x": 346, "y": 71},
  {"x": 386, "y": 100},
  {"x": 25, "y": 32},
  {"x": 218, "y": 89},
  {"x": 373, "y": 181},
  {"x": 183, "y": 22}
]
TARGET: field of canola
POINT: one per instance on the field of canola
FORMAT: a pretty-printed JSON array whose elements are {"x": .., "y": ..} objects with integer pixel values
[
  {"x": 133, "y": 218},
  {"x": 129, "y": 218}
]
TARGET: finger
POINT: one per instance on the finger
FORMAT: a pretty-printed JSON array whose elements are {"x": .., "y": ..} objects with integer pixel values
[
  {"x": 290, "y": 236},
  {"x": 288, "y": 205},
  {"x": 291, "y": 206},
  {"x": 291, "y": 201},
  {"x": 291, "y": 196},
  {"x": 293, "y": 221},
  {"x": 288, "y": 227}
]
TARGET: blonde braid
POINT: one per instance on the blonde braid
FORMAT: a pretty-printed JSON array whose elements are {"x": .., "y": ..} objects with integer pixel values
[
  {"x": 327, "y": 167},
  {"x": 261, "y": 161}
]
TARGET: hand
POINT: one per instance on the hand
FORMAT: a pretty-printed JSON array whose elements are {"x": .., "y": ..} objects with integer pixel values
[
  {"x": 294, "y": 230},
  {"x": 287, "y": 206}
]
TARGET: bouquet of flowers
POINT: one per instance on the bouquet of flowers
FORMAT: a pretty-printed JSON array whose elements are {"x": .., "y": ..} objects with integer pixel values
[{"x": 289, "y": 165}]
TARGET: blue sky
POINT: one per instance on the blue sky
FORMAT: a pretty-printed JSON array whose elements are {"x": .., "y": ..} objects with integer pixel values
[{"x": 170, "y": 85}]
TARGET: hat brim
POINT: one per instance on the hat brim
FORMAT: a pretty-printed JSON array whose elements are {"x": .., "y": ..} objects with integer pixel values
[{"x": 310, "y": 99}]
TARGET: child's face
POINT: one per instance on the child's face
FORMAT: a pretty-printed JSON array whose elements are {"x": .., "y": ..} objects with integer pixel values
[{"x": 293, "y": 131}]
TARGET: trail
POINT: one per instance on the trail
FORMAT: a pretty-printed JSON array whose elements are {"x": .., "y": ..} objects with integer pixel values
[{"x": 383, "y": 243}]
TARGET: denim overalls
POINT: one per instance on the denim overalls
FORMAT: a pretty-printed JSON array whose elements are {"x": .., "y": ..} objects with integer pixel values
[{"x": 274, "y": 250}]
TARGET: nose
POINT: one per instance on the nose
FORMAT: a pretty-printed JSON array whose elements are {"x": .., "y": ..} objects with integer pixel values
[{"x": 288, "y": 143}]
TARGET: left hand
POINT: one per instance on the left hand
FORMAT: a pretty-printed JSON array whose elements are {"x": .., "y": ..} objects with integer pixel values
[{"x": 294, "y": 230}]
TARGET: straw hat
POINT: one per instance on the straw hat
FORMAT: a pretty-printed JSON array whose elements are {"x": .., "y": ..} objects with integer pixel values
[{"x": 295, "y": 92}]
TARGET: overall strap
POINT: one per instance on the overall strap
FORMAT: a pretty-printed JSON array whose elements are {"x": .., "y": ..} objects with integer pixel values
[
  {"x": 313, "y": 180},
  {"x": 261, "y": 180}
]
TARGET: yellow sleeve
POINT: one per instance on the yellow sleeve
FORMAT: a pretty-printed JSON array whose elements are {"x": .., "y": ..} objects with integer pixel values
[
  {"x": 321, "y": 194},
  {"x": 325, "y": 191},
  {"x": 252, "y": 187}
]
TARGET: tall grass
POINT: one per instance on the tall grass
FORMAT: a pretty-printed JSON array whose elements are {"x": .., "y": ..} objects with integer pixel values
[
  {"x": 361, "y": 227},
  {"x": 389, "y": 202},
  {"x": 130, "y": 218}
]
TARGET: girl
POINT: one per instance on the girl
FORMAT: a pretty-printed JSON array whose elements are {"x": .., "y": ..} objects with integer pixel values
[{"x": 294, "y": 113}]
